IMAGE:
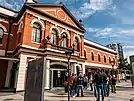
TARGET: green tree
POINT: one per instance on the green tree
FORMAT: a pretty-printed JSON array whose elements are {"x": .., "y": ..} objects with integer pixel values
[{"x": 124, "y": 65}]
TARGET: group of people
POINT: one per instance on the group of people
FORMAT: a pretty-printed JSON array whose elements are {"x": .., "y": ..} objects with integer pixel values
[{"x": 100, "y": 82}]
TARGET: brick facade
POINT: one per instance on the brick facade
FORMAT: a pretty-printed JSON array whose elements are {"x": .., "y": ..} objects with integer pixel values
[{"x": 55, "y": 16}]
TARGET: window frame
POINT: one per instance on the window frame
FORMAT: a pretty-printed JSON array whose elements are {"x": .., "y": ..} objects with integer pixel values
[
  {"x": 105, "y": 60},
  {"x": 99, "y": 58},
  {"x": 64, "y": 40},
  {"x": 76, "y": 47},
  {"x": 92, "y": 56},
  {"x": 54, "y": 37},
  {"x": 1, "y": 38},
  {"x": 35, "y": 32},
  {"x": 85, "y": 54}
]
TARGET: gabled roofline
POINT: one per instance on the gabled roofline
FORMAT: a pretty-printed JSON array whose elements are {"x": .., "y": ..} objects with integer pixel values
[
  {"x": 27, "y": 6},
  {"x": 97, "y": 45},
  {"x": 58, "y": 5},
  {"x": 9, "y": 9}
]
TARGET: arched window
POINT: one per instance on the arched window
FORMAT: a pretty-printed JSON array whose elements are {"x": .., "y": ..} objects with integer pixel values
[
  {"x": 36, "y": 32},
  {"x": 1, "y": 34},
  {"x": 64, "y": 40},
  {"x": 99, "y": 58},
  {"x": 104, "y": 59},
  {"x": 85, "y": 55},
  {"x": 109, "y": 60},
  {"x": 92, "y": 56},
  {"x": 54, "y": 37},
  {"x": 76, "y": 43}
]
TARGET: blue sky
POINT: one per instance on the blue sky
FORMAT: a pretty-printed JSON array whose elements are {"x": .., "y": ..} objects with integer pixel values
[{"x": 105, "y": 21}]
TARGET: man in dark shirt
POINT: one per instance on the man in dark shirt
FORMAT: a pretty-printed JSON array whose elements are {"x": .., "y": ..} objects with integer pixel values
[
  {"x": 79, "y": 83},
  {"x": 99, "y": 84}
]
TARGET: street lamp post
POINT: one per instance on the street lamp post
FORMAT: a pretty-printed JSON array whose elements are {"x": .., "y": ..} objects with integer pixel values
[
  {"x": 68, "y": 55},
  {"x": 112, "y": 62}
]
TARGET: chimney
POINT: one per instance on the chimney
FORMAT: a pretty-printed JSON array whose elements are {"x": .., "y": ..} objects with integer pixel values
[{"x": 80, "y": 21}]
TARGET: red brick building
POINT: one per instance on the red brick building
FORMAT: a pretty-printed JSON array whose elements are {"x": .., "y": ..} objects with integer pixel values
[{"x": 46, "y": 30}]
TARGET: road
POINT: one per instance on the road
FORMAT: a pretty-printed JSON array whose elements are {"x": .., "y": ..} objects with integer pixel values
[{"x": 124, "y": 93}]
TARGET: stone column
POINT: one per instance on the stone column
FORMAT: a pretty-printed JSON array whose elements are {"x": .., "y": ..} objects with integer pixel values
[
  {"x": 21, "y": 73},
  {"x": 47, "y": 74},
  {"x": 75, "y": 71},
  {"x": 83, "y": 68},
  {"x": 7, "y": 82}
]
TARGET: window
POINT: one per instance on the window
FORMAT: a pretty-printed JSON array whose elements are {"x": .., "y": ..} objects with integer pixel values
[
  {"x": 92, "y": 56},
  {"x": 64, "y": 40},
  {"x": 99, "y": 58},
  {"x": 76, "y": 43},
  {"x": 109, "y": 60},
  {"x": 85, "y": 55},
  {"x": 54, "y": 37},
  {"x": 104, "y": 59},
  {"x": 1, "y": 34},
  {"x": 36, "y": 33}
]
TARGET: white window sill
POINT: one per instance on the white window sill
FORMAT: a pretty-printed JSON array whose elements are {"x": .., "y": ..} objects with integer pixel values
[{"x": 36, "y": 42}]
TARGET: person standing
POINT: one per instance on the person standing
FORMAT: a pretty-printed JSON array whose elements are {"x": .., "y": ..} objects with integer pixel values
[
  {"x": 113, "y": 81},
  {"x": 85, "y": 81},
  {"x": 99, "y": 84},
  {"x": 91, "y": 82},
  {"x": 79, "y": 83},
  {"x": 72, "y": 85},
  {"x": 105, "y": 87}
]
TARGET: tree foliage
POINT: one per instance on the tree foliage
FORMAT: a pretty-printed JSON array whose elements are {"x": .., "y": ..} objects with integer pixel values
[{"x": 124, "y": 65}]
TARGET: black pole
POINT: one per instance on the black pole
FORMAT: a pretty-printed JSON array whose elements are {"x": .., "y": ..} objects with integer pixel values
[{"x": 69, "y": 79}]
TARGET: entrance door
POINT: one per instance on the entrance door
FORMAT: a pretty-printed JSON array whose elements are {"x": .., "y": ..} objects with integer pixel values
[
  {"x": 58, "y": 78},
  {"x": 13, "y": 73}
]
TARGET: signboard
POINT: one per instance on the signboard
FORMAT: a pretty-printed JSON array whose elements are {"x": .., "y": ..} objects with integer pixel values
[{"x": 35, "y": 81}]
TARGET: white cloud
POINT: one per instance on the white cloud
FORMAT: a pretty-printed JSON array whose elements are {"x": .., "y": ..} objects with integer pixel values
[
  {"x": 114, "y": 32},
  {"x": 124, "y": 12},
  {"x": 128, "y": 51},
  {"x": 89, "y": 8},
  {"x": 92, "y": 29}
]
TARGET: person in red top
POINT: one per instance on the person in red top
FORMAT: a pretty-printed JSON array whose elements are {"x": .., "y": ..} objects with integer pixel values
[{"x": 72, "y": 79}]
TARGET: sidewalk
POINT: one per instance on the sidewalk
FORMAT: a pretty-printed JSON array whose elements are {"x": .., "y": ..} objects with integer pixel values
[{"x": 124, "y": 93}]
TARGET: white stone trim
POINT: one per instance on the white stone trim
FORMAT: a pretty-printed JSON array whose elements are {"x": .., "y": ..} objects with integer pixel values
[
  {"x": 60, "y": 25},
  {"x": 30, "y": 1},
  {"x": 22, "y": 71},
  {"x": 79, "y": 39},
  {"x": 26, "y": 46},
  {"x": 7, "y": 12},
  {"x": 99, "y": 65},
  {"x": 2, "y": 52},
  {"x": 98, "y": 45},
  {"x": 38, "y": 21},
  {"x": 98, "y": 50},
  {"x": 59, "y": 63},
  {"x": 65, "y": 31},
  {"x": 47, "y": 73},
  {"x": 3, "y": 27},
  {"x": 56, "y": 28}
]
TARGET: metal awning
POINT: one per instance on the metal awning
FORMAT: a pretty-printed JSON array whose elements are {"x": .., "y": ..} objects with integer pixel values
[{"x": 9, "y": 58}]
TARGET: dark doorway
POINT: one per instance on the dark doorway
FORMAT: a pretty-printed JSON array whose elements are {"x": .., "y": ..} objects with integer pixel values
[
  {"x": 58, "y": 78},
  {"x": 3, "y": 71},
  {"x": 13, "y": 72},
  {"x": 77, "y": 70}
]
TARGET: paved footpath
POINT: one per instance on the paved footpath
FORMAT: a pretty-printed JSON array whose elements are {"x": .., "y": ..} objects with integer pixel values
[{"x": 124, "y": 93}]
